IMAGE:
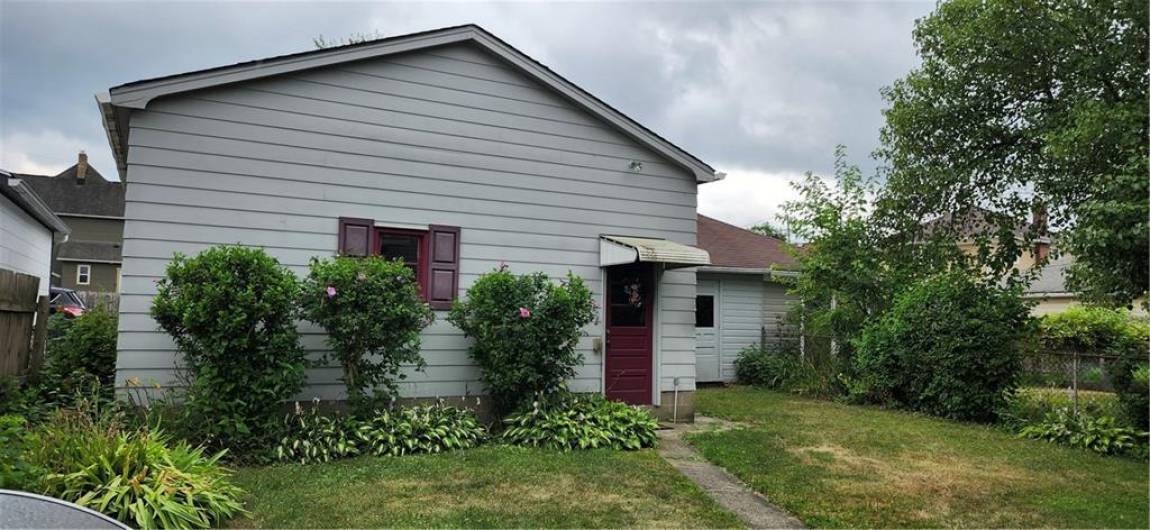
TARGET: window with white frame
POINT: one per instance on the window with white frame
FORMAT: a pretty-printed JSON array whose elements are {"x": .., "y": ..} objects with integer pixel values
[{"x": 83, "y": 274}]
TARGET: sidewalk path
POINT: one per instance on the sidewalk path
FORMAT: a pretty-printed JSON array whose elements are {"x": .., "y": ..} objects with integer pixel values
[{"x": 752, "y": 509}]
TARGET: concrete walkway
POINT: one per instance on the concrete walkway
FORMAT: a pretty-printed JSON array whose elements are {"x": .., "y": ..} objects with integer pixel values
[{"x": 752, "y": 509}]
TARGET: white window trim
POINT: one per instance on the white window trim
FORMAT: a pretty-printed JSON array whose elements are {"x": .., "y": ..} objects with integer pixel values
[{"x": 84, "y": 270}]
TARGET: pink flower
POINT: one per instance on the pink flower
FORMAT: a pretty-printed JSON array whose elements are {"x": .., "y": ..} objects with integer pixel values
[
  {"x": 330, "y": 292},
  {"x": 524, "y": 312}
]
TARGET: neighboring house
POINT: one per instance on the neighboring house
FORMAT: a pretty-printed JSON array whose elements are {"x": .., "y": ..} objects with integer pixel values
[
  {"x": 448, "y": 147},
  {"x": 739, "y": 299},
  {"x": 93, "y": 208},
  {"x": 1049, "y": 290},
  {"x": 27, "y": 230}
]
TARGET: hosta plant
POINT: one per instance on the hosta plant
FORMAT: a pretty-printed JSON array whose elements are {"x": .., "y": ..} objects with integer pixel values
[
  {"x": 423, "y": 429},
  {"x": 315, "y": 437},
  {"x": 1099, "y": 434},
  {"x": 582, "y": 422},
  {"x": 312, "y": 437}
]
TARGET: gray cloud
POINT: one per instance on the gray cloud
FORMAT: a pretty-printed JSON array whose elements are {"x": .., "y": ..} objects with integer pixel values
[{"x": 763, "y": 91}]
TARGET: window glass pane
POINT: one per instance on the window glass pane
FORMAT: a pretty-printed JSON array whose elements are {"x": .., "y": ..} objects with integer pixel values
[
  {"x": 392, "y": 246},
  {"x": 629, "y": 297},
  {"x": 704, "y": 311}
]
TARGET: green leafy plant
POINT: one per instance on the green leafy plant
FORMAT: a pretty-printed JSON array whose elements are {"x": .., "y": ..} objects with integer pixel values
[
  {"x": 581, "y": 422},
  {"x": 423, "y": 429},
  {"x": 231, "y": 311},
  {"x": 1031, "y": 405},
  {"x": 950, "y": 346},
  {"x": 525, "y": 331},
  {"x": 770, "y": 368},
  {"x": 1100, "y": 434},
  {"x": 312, "y": 436},
  {"x": 81, "y": 354},
  {"x": 373, "y": 314},
  {"x": 16, "y": 472},
  {"x": 141, "y": 477},
  {"x": 1112, "y": 333}
]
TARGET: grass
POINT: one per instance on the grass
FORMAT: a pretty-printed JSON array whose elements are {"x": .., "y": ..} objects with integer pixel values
[
  {"x": 835, "y": 465},
  {"x": 488, "y": 487}
]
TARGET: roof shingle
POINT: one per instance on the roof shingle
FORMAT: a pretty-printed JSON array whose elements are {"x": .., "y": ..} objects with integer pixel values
[{"x": 731, "y": 246}]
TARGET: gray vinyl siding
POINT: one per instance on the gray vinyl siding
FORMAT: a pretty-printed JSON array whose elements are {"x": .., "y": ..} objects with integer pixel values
[
  {"x": 747, "y": 303},
  {"x": 445, "y": 136}
]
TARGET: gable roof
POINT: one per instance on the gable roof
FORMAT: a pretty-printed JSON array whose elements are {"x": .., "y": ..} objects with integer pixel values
[
  {"x": 731, "y": 246},
  {"x": 96, "y": 196},
  {"x": 117, "y": 104}
]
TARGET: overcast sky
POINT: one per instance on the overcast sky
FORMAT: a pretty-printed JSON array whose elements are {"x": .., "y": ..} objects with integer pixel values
[{"x": 761, "y": 91}]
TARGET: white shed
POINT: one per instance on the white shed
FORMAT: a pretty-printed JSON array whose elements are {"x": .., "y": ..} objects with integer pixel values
[
  {"x": 739, "y": 299},
  {"x": 27, "y": 227}
]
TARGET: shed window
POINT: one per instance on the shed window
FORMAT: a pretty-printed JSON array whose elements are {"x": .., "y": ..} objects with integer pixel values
[
  {"x": 83, "y": 274},
  {"x": 705, "y": 311},
  {"x": 433, "y": 254},
  {"x": 408, "y": 246}
]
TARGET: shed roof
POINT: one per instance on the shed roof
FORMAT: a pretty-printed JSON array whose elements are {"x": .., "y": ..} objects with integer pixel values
[
  {"x": 116, "y": 105},
  {"x": 735, "y": 247}
]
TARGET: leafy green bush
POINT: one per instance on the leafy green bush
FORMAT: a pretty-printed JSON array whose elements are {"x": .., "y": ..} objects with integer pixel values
[
  {"x": 315, "y": 437},
  {"x": 1100, "y": 434},
  {"x": 582, "y": 422},
  {"x": 949, "y": 346},
  {"x": 140, "y": 477},
  {"x": 16, "y": 473},
  {"x": 82, "y": 354},
  {"x": 770, "y": 368},
  {"x": 373, "y": 314},
  {"x": 525, "y": 330},
  {"x": 1108, "y": 332},
  {"x": 231, "y": 311}
]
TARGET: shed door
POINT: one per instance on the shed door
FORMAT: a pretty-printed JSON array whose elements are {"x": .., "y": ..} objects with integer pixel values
[
  {"x": 706, "y": 331},
  {"x": 630, "y": 315}
]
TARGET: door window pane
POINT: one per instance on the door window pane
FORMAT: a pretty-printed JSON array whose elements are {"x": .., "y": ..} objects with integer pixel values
[
  {"x": 704, "y": 311},
  {"x": 629, "y": 297}
]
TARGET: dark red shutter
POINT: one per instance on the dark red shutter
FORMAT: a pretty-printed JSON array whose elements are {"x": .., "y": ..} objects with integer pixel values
[
  {"x": 355, "y": 236},
  {"x": 443, "y": 267}
]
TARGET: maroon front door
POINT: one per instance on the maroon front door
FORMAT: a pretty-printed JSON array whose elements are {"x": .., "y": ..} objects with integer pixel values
[{"x": 630, "y": 301}]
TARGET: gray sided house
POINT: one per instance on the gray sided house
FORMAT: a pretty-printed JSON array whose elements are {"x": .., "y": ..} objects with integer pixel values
[
  {"x": 93, "y": 208},
  {"x": 449, "y": 148},
  {"x": 740, "y": 297}
]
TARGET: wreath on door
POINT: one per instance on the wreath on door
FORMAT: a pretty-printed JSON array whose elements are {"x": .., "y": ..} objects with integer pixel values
[{"x": 633, "y": 289}]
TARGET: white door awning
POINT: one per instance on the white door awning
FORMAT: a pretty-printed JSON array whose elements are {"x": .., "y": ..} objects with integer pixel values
[{"x": 620, "y": 250}]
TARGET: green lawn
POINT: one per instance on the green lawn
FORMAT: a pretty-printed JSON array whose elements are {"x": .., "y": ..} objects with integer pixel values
[
  {"x": 836, "y": 465},
  {"x": 493, "y": 486}
]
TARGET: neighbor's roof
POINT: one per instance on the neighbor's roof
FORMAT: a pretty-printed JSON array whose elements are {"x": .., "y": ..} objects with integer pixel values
[
  {"x": 732, "y": 246},
  {"x": 96, "y": 196},
  {"x": 117, "y": 104},
  {"x": 1051, "y": 278},
  {"x": 977, "y": 222}
]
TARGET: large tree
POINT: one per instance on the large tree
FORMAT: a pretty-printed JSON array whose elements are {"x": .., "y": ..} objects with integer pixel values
[{"x": 1021, "y": 103}]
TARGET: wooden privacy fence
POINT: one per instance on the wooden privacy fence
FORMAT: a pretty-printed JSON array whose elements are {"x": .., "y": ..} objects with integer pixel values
[{"x": 23, "y": 324}]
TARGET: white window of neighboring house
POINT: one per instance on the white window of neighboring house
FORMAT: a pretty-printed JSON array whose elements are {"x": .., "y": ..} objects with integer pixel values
[{"x": 83, "y": 274}]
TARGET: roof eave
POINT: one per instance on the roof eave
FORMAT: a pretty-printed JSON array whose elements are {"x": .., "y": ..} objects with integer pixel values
[
  {"x": 122, "y": 99},
  {"x": 115, "y": 122},
  {"x": 18, "y": 192}
]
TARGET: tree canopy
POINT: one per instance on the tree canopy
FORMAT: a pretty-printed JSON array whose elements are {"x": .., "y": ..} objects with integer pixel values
[{"x": 1020, "y": 104}]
